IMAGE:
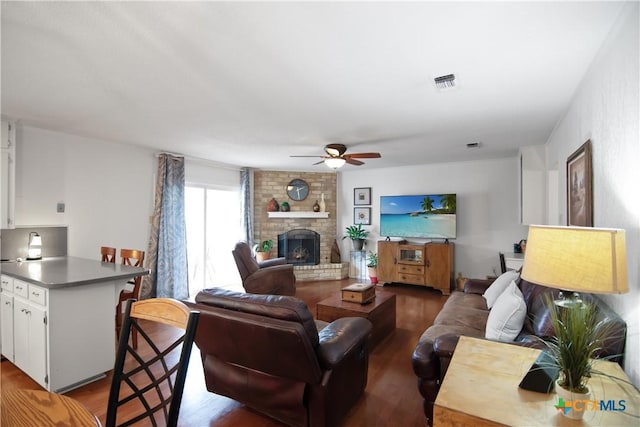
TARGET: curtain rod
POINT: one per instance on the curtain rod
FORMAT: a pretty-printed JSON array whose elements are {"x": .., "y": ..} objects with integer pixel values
[{"x": 202, "y": 160}]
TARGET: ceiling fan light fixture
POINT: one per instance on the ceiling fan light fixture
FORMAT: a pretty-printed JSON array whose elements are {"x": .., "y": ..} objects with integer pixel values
[{"x": 335, "y": 162}]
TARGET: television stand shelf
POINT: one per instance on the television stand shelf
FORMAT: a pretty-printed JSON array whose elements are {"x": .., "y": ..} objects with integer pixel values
[{"x": 424, "y": 264}]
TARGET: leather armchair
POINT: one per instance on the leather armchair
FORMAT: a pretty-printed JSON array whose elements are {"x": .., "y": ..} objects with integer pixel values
[
  {"x": 273, "y": 276},
  {"x": 266, "y": 352}
]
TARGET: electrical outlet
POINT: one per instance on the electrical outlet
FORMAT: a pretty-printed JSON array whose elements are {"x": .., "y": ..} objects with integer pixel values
[{"x": 60, "y": 208}]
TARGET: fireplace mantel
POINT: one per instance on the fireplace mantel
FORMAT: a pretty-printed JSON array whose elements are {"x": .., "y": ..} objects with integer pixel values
[{"x": 298, "y": 214}]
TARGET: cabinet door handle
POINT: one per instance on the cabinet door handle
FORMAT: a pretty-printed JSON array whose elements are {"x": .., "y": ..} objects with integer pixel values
[
  {"x": 35, "y": 294},
  {"x": 7, "y": 303}
]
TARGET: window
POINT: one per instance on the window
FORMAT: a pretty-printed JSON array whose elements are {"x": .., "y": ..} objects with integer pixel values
[{"x": 213, "y": 228}]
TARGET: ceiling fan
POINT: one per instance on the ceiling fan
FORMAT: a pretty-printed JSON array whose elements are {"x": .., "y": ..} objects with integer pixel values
[{"x": 336, "y": 156}]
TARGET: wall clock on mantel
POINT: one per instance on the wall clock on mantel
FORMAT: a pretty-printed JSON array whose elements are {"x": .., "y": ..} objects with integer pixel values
[{"x": 298, "y": 190}]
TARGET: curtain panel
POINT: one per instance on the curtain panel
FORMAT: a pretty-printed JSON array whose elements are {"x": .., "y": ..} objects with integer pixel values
[
  {"x": 246, "y": 191},
  {"x": 167, "y": 259}
]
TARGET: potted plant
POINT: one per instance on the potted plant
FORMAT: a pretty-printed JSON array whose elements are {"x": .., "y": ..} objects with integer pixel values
[
  {"x": 372, "y": 266},
  {"x": 262, "y": 249},
  {"x": 578, "y": 337},
  {"x": 357, "y": 234}
]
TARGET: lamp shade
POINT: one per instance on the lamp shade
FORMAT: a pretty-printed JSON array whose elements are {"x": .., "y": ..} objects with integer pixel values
[{"x": 580, "y": 259}]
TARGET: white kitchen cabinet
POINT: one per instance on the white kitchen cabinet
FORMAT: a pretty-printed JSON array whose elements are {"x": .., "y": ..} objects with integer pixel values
[
  {"x": 8, "y": 134},
  {"x": 23, "y": 314},
  {"x": 532, "y": 185},
  {"x": 6, "y": 317},
  {"x": 7, "y": 174},
  {"x": 64, "y": 318},
  {"x": 6, "y": 327},
  {"x": 30, "y": 339}
]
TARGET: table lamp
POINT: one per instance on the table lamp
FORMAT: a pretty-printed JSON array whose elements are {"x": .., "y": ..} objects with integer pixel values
[
  {"x": 35, "y": 246},
  {"x": 576, "y": 259}
]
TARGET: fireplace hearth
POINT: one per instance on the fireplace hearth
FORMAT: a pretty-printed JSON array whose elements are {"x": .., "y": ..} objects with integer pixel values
[{"x": 300, "y": 247}]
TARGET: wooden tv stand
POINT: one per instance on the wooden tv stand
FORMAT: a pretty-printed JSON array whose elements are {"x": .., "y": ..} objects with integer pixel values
[{"x": 424, "y": 264}]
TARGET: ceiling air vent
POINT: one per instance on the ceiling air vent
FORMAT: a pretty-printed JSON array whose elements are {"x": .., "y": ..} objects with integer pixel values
[
  {"x": 473, "y": 145},
  {"x": 445, "y": 82}
]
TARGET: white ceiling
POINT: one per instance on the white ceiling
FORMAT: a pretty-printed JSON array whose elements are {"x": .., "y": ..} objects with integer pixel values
[{"x": 251, "y": 83}]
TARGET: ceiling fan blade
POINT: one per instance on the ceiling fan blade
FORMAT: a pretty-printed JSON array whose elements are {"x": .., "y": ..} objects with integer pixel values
[
  {"x": 363, "y": 155},
  {"x": 307, "y": 156},
  {"x": 353, "y": 161},
  {"x": 317, "y": 163}
]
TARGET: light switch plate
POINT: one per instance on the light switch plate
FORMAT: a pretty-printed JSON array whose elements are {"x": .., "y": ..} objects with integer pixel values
[{"x": 60, "y": 208}]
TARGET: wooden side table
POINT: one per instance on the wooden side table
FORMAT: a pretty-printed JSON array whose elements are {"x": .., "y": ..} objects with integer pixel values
[
  {"x": 481, "y": 389},
  {"x": 42, "y": 408},
  {"x": 381, "y": 312}
]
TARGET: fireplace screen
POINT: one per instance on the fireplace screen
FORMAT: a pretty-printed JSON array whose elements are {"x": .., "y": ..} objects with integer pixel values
[{"x": 300, "y": 246}]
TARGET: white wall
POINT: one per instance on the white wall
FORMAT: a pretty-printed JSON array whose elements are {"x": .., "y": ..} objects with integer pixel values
[
  {"x": 606, "y": 110},
  {"x": 107, "y": 189},
  {"x": 487, "y": 203}
]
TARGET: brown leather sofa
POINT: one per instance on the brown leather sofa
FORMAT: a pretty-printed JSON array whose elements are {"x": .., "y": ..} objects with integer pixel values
[
  {"x": 465, "y": 314},
  {"x": 268, "y": 353},
  {"x": 272, "y": 276}
]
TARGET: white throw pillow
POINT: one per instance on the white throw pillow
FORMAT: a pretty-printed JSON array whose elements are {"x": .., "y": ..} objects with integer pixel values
[
  {"x": 499, "y": 285},
  {"x": 507, "y": 315}
]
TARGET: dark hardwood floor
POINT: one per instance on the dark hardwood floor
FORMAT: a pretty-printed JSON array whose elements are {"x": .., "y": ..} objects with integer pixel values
[{"x": 391, "y": 397}]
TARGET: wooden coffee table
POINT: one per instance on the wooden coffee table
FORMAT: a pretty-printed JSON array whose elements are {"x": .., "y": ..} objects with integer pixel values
[
  {"x": 481, "y": 389},
  {"x": 381, "y": 312}
]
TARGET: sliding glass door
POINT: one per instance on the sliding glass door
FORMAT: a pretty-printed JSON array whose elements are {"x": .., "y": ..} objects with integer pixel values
[{"x": 213, "y": 228}]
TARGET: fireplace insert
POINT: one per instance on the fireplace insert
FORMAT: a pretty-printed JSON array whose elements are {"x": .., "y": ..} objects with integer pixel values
[{"x": 300, "y": 247}]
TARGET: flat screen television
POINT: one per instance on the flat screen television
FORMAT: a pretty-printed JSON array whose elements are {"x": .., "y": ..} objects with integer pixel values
[{"x": 428, "y": 216}]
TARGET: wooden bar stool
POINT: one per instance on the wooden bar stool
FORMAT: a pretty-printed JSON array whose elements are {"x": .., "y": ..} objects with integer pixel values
[
  {"x": 108, "y": 254},
  {"x": 134, "y": 258}
]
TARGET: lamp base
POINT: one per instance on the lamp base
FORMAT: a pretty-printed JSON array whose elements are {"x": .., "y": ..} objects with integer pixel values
[{"x": 570, "y": 301}]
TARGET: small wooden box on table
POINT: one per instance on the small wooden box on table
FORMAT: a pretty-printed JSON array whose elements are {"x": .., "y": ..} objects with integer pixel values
[
  {"x": 481, "y": 389},
  {"x": 381, "y": 312},
  {"x": 362, "y": 293}
]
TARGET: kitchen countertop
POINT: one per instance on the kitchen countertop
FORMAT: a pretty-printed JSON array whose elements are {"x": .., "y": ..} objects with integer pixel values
[{"x": 63, "y": 272}]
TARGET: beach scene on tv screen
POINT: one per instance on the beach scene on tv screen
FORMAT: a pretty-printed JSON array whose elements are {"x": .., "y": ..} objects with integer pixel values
[{"x": 427, "y": 216}]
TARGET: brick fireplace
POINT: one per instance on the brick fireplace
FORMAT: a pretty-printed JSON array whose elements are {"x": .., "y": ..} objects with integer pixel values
[{"x": 272, "y": 184}]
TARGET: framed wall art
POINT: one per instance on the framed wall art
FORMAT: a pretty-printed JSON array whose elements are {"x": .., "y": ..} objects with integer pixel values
[
  {"x": 580, "y": 187},
  {"x": 362, "y": 216},
  {"x": 362, "y": 196}
]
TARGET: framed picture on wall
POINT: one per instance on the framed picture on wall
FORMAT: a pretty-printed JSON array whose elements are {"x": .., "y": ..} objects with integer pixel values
[
  {"x": 362, "y": 216},
  {"x": 362, "y": 196},
  {"x": 580, "y": 187}
]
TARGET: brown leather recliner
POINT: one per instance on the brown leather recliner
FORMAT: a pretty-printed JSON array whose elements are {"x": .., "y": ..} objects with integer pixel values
[
  {"x": 273, "y": 276},
  {"x": 266, "y": 352}
]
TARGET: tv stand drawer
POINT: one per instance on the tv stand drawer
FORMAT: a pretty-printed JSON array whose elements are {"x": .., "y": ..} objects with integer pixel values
[
  {"x": 412, "y": 279},
  {"x": 410, "y": 269}
]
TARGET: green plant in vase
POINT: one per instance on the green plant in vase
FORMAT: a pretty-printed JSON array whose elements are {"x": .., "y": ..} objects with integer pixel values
[
  {"x": 357, "y": 234},
  {"x": 578, "y": 336},
  {"x": 372, "y": 265},
  {"x": 262, "y": 249}
]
